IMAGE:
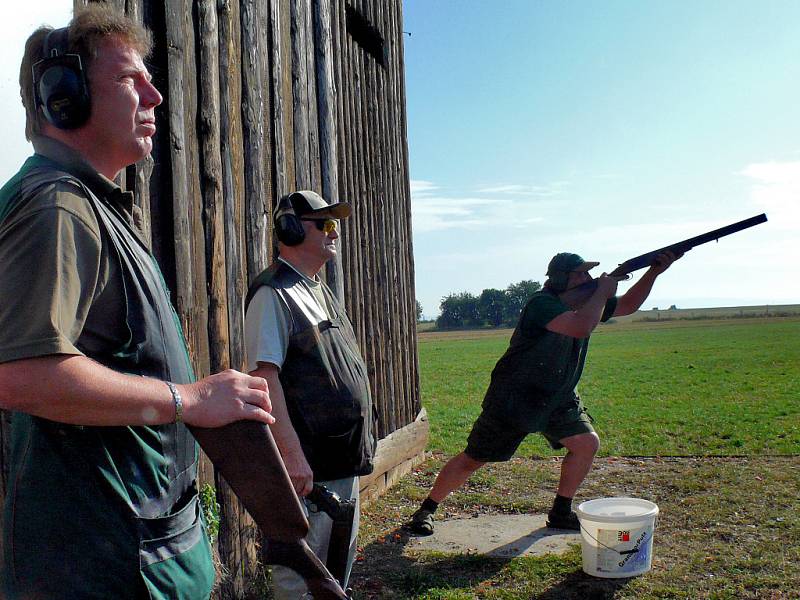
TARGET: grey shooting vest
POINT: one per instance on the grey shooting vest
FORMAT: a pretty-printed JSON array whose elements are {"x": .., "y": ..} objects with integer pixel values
[{"x": 324, "y": 380}]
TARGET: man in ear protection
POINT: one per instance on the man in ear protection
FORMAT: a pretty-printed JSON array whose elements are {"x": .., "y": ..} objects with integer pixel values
[
  {"x": 533, "y": 386},
  {"x": 300, "y": 340},
  {"x": 102, "y": 499}
]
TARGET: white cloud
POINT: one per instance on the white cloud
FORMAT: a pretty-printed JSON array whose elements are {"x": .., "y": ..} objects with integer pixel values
[
  {"x": 432, "y": 213},
  {"x": 776, "y": 189},
  {"x": 551, "y": 189},
  {"x": 420, "y": 187},
  {"x": 434, "y": 208}
]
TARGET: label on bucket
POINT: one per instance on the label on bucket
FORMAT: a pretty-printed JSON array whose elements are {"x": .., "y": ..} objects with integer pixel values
[{"x": 623, "y": 550}]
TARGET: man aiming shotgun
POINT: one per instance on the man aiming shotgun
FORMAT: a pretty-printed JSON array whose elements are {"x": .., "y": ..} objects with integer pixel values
[
  {"x": 533, "y": 385},
  {"x": 532, "y": 388}
]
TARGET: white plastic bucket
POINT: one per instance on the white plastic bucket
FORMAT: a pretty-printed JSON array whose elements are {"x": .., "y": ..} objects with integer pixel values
[{"x": 617, "y": 535}]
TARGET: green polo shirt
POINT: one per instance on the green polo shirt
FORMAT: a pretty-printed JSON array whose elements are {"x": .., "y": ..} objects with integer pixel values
[
  {"x": 54, "y": 269},
  {"x": 541, "y": 368}
]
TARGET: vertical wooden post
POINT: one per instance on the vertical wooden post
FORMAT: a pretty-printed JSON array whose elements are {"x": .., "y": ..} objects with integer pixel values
[
  {"x": 326, "y": 106},
  {"x": 256, "y": 205},
  {"x": 232, "y": 171},
  {"x": 189, "y": 245}
]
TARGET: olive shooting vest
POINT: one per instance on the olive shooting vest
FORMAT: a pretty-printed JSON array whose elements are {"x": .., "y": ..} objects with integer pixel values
[{"x": 107, "y": 512}]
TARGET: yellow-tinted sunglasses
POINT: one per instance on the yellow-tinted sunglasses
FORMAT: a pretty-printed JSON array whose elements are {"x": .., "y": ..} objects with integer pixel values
[{"x": 325, "y": 225}]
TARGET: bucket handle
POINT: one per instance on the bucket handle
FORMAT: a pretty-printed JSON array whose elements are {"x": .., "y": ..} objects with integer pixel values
[{"x": 621, "y": 552}]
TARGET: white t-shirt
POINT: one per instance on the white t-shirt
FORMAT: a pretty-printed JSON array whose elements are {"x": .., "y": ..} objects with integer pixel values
[{"x": 267, "y": 323}]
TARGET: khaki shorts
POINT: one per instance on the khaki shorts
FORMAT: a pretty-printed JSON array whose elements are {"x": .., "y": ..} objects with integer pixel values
[{"x": 496, "y": 440}]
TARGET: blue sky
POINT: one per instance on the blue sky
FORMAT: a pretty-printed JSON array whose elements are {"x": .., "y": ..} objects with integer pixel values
[
  {"x": 605, "y": 128},
  {"x": 608, "y": 129}
]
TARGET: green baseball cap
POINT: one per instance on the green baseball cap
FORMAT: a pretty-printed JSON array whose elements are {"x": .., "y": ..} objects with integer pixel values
[{"x": 565, "y": 262}]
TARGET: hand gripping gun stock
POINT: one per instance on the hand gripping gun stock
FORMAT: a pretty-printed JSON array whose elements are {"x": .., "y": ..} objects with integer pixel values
[{"x": 245, "y": 454}]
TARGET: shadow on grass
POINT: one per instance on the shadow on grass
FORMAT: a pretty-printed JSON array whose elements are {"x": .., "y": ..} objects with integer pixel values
[
  {"x": 578, "y": 584},
  {"x": 384, "y": 571}
]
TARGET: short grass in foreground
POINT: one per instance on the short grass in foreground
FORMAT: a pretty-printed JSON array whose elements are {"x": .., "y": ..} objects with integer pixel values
[
  {"x": 678, "y": 388},
  {"x": 728, "y": 529},
  {"x": 728, "y": 524}
]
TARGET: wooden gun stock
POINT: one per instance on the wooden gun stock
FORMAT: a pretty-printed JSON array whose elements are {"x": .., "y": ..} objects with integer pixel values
[
  {"x": 246, "y": 455},
  {"x": 577, "y": 296}
]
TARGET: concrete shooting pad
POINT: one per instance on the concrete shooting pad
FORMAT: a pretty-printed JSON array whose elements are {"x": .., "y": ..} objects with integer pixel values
[{"x": 502, "y": 536}]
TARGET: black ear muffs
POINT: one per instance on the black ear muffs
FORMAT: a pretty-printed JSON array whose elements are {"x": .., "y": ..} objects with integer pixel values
[
  {"x": 59, "y": 83},
  {"x": 288, "y": 228}
]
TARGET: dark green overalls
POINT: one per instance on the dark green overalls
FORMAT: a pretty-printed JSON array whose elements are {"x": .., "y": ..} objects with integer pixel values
[{"x": 109, "y": 512}]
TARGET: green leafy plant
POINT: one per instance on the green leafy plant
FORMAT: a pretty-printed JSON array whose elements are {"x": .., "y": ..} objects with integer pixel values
[{"x": 208, "y": 500}]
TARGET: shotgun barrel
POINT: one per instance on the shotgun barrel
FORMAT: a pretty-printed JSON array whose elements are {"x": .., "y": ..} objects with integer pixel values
[
  {"x": 577, "y": 296},
  {"x": 647, "y": 259}
]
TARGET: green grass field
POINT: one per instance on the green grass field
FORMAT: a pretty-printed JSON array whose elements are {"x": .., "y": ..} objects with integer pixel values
[
  {"x": 722, "y": 387},
  {"x": 700, "y": 416},
  {"x": 727, "y": 530}
]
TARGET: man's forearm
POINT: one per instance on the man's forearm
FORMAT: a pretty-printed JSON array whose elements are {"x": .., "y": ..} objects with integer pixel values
[
  {"x": 591, "y": 312},
  {"x": 78, "y": 390},
  {"x": 633, "y": 299},
  {"x": 282, "y": 430},
  {"x": 580, "y": 323}
]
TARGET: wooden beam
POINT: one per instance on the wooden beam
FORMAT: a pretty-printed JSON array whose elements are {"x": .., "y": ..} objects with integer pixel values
[{"x": 396, "y": 453}]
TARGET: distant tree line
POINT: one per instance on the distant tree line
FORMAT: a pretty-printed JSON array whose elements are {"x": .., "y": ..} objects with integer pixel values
[{"x": 493, "y": 308}]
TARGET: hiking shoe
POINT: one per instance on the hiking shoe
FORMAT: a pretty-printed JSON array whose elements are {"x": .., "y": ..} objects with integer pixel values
[
  {"x": 563, "y": 521},
  {"x": 421, "y": 522}
]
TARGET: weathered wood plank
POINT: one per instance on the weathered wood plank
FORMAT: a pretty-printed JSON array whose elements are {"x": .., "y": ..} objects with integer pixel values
[
  {"x": 351, "y": 264},
  {"x": 404, "y": 444},
  {"x": 230, "y": 546},
  {"x": 179, "y": 102},
  {"x": 238, "y": 534},
  {"x": 268, "y": 145},
  {"x": 282, "y": 119},
  {"x": 304, "y": 127},
  {"x": 373, "y": 350},
  {"x": 211, "y": 181},
  {"x": 256, "y": 222},
  {"x": 231, "y": 152},
  {"x": 300, "y": 131},
  {"x": 326, "y": 111},
  {"x": 377, "y": 249}
]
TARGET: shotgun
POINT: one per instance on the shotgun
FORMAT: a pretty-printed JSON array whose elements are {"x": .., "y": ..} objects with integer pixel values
[
  {"x": 342, "y": 513},
  {"x": 246, "y": 455},
  {"x": 577, "y": 296}
]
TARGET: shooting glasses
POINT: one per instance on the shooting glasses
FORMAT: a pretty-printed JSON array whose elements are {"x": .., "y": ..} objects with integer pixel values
[{"x": 325, "y": 225}]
